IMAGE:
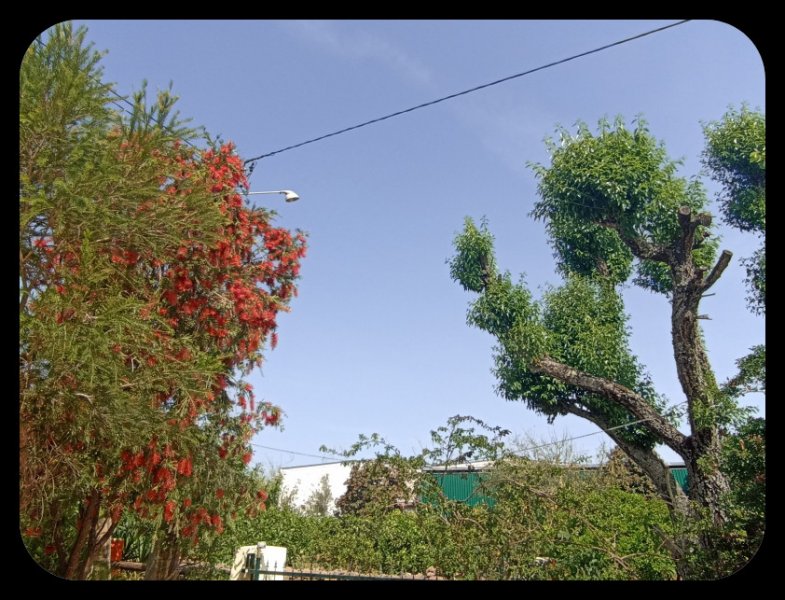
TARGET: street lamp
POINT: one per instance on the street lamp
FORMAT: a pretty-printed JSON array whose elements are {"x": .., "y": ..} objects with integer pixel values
[{"x": 288, "y": 195}]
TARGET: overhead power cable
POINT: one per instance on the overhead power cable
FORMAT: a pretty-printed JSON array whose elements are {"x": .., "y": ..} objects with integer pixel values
[
  {"x": 331, "y": 457},
  {"x": 469, "y": 91}
]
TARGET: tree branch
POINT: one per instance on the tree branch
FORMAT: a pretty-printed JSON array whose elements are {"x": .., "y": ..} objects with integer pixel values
[
  {"x": 648, "y": 461},
  {"x": 640, "y": 247},
  {"x": 617, "y": 394},
  {"x": 719, "y": 268}
]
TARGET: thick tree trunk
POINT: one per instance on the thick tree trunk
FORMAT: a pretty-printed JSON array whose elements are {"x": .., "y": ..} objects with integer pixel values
[
  {"x": 707, "y": 484},
  {"x": 164, "y": 560},
  {"x": 701, "y": 450}
]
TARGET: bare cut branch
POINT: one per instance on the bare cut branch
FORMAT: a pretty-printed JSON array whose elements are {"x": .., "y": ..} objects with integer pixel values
[
  {"x": 689, "y": 224},
  {"x": 719, "y": 268},
  {"x": 617, "y": 394}
]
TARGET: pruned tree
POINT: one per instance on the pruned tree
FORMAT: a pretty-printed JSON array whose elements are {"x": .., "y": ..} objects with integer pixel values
[{"x": 615, "y": 210}]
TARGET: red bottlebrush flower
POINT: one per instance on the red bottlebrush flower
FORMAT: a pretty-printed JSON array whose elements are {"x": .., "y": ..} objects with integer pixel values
[
  {"x": 273, "y": 340},
  {"x": 222, "y": 452},
  {"x": 169, "y": 510},
  {"x": 219, "y": 493},
  {"x": 33, "y": 532},
  {"x": 162, "y": 475},
  {"x": 247, "y": 457},
  {"x": 187, "y": 503},
  {"x": 262, "y": 495},
  {"x": 215, "y": 520},
  {"x": 50, "y": 549},
  {"x": 185, "y": 466}
]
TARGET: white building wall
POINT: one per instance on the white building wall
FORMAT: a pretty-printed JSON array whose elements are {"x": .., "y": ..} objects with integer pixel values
[{"x": 305, "y": 480}]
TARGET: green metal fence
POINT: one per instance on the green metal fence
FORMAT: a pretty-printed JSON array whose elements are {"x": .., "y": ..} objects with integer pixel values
[{"x": 464, "y": 486}]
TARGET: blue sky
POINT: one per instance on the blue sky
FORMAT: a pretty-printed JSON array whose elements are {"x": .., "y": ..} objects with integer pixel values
[{"x": 377, "y": 340}]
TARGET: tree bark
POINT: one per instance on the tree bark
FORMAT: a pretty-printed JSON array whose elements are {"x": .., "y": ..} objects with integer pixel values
[
  {"x": 76, "y": 564},
  {"x": 164, "y": 560},
  {"x": 99, "y": 559},
  {"x": 707, "y": 483},
  {"x": 618, "y": 394},
  {"x": 701, "y": 450}
]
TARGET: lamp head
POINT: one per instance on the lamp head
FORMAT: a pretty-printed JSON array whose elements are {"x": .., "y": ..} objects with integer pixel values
[{"x": 290, "y": 196}]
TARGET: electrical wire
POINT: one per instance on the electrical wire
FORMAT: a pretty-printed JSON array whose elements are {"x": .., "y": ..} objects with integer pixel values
[
  {"x": 330, "y": 457},
  {"x": 468, "y": 91},
  {"x": 431, "y": 102}
]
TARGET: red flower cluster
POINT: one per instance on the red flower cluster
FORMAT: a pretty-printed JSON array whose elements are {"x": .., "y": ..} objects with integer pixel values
[{"x": 220, "y": 299}]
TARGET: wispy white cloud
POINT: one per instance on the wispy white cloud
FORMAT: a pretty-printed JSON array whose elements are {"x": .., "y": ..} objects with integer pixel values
[
  {"x": 361, "y": 46},
  {"x": 512, "y": 129}
]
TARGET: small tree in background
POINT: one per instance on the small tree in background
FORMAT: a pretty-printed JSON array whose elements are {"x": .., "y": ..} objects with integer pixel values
[
  {"x": 321, "y": 499},
  {"x": 374, "y": 486}
]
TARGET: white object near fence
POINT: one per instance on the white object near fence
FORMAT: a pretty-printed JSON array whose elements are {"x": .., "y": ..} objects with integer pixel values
[{"x": 273, "y": 559}]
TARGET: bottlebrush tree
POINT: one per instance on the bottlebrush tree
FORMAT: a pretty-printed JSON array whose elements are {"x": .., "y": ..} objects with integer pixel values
[{"x": 148, "y": 291}]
